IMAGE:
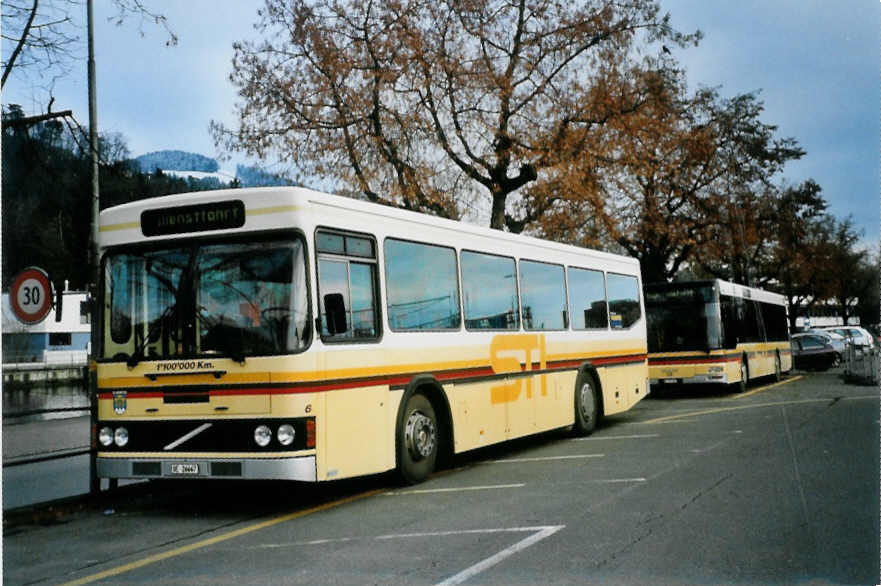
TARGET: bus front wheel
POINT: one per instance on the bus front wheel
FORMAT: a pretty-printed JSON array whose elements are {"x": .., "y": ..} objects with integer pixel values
[
  {"x": 587, "y": 406},
  {"x": 417, "y": 440}
]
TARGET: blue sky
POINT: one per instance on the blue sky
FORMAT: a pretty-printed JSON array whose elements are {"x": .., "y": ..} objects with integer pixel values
[
  {"x": 817, "y": 68},
  {"x": 816, "y": 65}
]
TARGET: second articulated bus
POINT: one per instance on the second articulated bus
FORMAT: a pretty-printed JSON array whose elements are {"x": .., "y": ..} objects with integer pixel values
[
  {"x": 284, "y": 333},
  {"x": 715, "y": 332}
]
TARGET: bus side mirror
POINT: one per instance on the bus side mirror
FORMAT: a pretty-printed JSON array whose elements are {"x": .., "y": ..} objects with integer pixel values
[{"x": 335, "y": 313}]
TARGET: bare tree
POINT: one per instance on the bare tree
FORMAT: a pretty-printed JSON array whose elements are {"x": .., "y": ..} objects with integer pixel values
[
  {"x": 432, "y": 104},
  {"x": 42, "y": 37}
]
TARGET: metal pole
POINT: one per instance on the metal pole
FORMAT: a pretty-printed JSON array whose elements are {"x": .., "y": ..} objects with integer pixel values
[{"x": 94, "y": 276}]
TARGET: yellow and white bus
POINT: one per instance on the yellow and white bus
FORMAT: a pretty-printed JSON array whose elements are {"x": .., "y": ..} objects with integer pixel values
[
  {"x": 715, "y": 332},
  {"x": 282, "y": 333}
]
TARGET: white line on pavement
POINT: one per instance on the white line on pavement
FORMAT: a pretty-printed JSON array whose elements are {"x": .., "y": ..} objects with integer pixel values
[
  {"x": 617, "y": 480},
  {"x": 452, "y": 489},
  {"x": 502, "y": 555},
  {"x": 545, "y": 459},
  {"x": 616, "y": 437}
]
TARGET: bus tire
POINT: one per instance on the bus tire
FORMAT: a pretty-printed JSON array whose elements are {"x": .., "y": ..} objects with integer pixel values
[
  {"x": 587, "y": 404},
  {"x": 418, "y": 440},
  {"x": 778, "y": 369}
]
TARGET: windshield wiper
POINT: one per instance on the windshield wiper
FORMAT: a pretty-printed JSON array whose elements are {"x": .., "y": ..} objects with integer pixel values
[{"x": 138, "y": 354}]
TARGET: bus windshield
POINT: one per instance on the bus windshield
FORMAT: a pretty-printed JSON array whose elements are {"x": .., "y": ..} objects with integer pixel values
[
  {"x": 683, "y": 318},
  {"x": 232, "y": 299}
]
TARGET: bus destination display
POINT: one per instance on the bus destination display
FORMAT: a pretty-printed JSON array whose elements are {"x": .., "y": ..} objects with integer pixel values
[{"x": 220, "y": 215}]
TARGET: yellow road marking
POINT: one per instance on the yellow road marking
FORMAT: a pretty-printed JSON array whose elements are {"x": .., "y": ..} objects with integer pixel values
[
  {"x": 217, "y": 539},
  {"x": 766, "y": 387},
  {"x": 742, "y": 407},
  {"x": 725, "y": 409}
]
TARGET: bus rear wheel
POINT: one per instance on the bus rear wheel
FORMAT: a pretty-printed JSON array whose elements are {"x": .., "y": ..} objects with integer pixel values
[
  {"x": 418, "y": 440},
  {"x": 587, "y": 407}
]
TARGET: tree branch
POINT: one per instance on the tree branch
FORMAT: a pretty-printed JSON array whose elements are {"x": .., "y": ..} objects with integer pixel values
[{"x": 21, "y": 43}]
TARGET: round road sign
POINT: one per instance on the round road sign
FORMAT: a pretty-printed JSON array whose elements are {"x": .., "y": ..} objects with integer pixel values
[{"x": 31, "y": 295}]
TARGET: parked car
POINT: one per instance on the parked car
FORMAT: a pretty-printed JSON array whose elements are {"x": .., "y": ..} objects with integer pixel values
[
  {"x": 812, "y": 352},
  {"x": 859, "y": 335},
  {"x": 837, "y": 340}
]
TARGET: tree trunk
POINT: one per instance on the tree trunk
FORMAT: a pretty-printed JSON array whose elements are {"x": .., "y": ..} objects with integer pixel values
[{"x": 497, "y": 219}]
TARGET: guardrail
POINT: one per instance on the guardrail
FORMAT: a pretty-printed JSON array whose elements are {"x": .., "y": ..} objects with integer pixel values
[
  {"x": 24, "y": 373},
  {"x": 43, "y": 412},
  {"x": 47, "y": 455},
  {"x": 35, "y": 459}
]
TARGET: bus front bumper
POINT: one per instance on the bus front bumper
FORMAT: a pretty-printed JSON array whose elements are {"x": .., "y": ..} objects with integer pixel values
[
  {"x": 700, "y": 379},
  {"x": 301, "y": 468}
]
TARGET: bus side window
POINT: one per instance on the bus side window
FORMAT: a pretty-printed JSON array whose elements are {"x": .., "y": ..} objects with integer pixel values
[
  {"x": 489, "y": 291},
  {"x": 543, "y": 296},
  {"x": 754, "y": 330},
  {"x": 347, "y": 287},
  {"x": 624, "y": 309},
  {"x": 588, "y": 298},
  {"x": 422, "y": 286}
]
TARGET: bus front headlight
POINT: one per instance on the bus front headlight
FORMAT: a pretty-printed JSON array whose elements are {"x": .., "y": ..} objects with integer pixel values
[
  {"x": 120, "y": 436},
  {"x": 262, "y": 435},
  {"x": 286, "y": 434},
  {"x": 105, "y": 436}
]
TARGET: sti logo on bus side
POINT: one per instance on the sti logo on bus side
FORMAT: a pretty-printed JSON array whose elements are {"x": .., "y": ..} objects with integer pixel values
[{"x": 506, "y": 354}]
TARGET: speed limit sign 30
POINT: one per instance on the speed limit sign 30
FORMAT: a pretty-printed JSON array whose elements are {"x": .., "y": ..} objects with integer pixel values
[{"x": 31, "y": 295}]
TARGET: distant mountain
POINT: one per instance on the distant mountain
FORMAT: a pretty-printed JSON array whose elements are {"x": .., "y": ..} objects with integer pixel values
[
  {"x": 176, "y": 161},
  {"x": 257, "y": 177},
  {"x": 199, "y": 168},
  {"x": 223, "y": 177}
]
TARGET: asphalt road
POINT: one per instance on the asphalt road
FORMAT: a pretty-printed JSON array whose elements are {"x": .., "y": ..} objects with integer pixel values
[{"x": 776, "y": 486}]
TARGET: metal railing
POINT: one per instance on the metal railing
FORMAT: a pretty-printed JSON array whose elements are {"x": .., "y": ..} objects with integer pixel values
[
  {"x": 50, "y": 455},
  {"x": 861, "y": 364},
  {"x": 37, "y": 458},
  {"x": 18, "y": 414}
]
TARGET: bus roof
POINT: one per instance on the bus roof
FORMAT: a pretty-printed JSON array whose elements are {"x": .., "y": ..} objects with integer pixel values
[
  {"x": 212, "y": 213},
  {"x": 725, "y": 288}
]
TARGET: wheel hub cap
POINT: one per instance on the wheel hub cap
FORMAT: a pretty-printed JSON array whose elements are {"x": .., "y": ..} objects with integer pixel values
[
  {"x": 587, "y": 404},
  {"x": 420, "y": 435}
]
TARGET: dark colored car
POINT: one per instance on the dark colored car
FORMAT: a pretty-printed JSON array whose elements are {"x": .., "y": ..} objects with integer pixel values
[{"x": 812, "y": 352}]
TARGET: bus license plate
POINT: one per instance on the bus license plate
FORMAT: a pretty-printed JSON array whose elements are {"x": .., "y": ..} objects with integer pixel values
[{"x": 185, "y": 469}]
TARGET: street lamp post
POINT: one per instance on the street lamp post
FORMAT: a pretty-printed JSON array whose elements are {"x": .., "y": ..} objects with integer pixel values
[{"x": 94, "y": 277}]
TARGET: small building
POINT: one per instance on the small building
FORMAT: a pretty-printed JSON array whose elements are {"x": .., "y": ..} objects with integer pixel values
[
  {"x": 824, "y": 314},
  {"x": 50, "y": 342}
]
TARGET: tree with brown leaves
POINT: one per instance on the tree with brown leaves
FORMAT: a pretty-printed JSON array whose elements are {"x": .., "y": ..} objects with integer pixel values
[
  {"x": 444, "y": 105},
  {"x": 681, "y": 181}
]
